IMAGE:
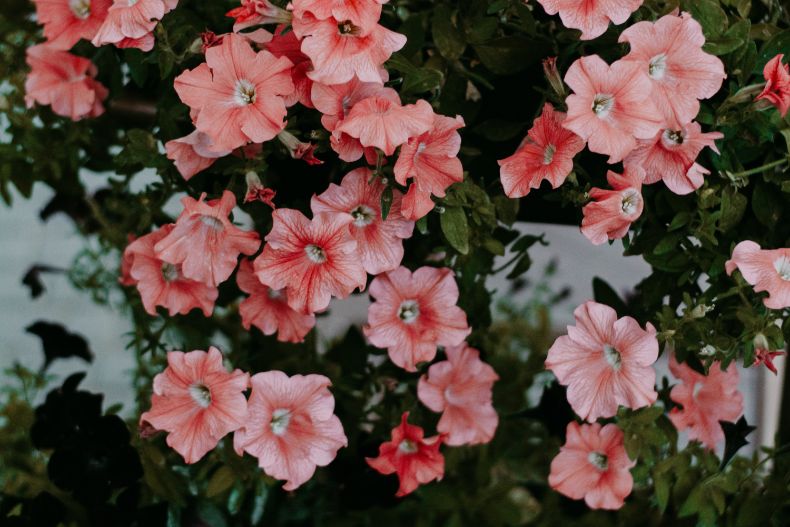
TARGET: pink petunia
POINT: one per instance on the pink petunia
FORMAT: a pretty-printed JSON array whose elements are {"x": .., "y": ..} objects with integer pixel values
[
  {"x": 67, "y": 21},
  {"x": 268, "y": 310},
  {"x": 431, "y": 159},
  {"x": 777, "y": 84},
  {"x": 546, "y": 153},
  {"x": 363, "y": 14},
  {"x": 288, "y": 46},
  {"x": 611, "y": 106},
  {"x": 705, "y": 400},
  {"x": 379, "y": 242},
  {"x": 197, "y": 401},
  {"x": 193, "y": 153},
  {"x": 671, "y": 156},
  {"x": 412, "y": 456},
  {"x": 460, "y": 388},
  {"x": 340, "y": 51},
  {"x": 238, "y": 93},
  {"x": 315, "y": 260},
  {"x": 257, "y": 192},
  {"x": 257, "y": 12},
  {"x": 299, "y": 150},
  {"x": 130, "y": 20},
  {"x": 163, "y": 284},
  {"x": 611, "y": 212},
  {"x": 766, "y": 270},
  {"x": 591, "y": 17},
  {"x": 593, "y": 465},
  {"x": 291, "y": 427},
  {"x": 204, "y": 241},
  {"x": 64, "y": 81},
  {"x": 605, "y": 362},
  {"x": 413, "y": 313}
]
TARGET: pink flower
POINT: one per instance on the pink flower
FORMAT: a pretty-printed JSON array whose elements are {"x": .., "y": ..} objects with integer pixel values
[
  {"x": 67, "y": 21},
  {"x": 257, "y": 192},
  {"x": 382, "y": 123},
  {"x": 238, "y": 93},
  {"x": 766, "y": 270},
  {"x": 291, "y": 427},
  {"x": 605, "y": 362},
  {"x": 546, "y": 153},
  {"x": 432, "y": 160},
  {"x": 64, "y": 81},
  {"x": 415, "y": 459},
  {"x": 163, "y": 284},
  {"x": 591, "y": 16},
  {"x": 379, "y": 242},
  {"x": 414, "y": 313},
  {"x": 766, "y": 356},
  {"x": 257, "y": 12},
  {"x": 288, "y": 46},
  {"x": 144, "y": 43},
  {"x": 339, "y": 50},
  {"x": 193, "y": 153},
  {"x": 363, "y": 14},
  {"x": 197, "y": 401},
  {"x": 611, "y": 106},
  {"x": 705, "y": 401},
  {"x": 205, "y": 242},
  {"x": 777, "y": 84},
  {"x": 298, "y": 149},
  {"x": 129, "y": 19},
  {"x": 460, "y": 387},
  {"x": 670, "y": 52},
  {"x": 593, "y": 464},
  {"x": 611, "y": 213},
  {"x": 315, "y": 260},
  {"x": 671, "y": 155},
  {"x": 268, "y": 310}
]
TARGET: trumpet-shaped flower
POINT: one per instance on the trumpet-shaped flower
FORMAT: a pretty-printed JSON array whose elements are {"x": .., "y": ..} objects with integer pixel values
[
  {"x": 766, "y": 270},
  {"x": 611, "y": 213},
  {"x": 591, "y": 17},
  {"x": 777, "y": 84},
  {"x": 67, "y": 21}
]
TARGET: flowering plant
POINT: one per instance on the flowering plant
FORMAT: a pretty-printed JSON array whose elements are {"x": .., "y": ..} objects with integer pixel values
[{"x": 260, "y": 162}]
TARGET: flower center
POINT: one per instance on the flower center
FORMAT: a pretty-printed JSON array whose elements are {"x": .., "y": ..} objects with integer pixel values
[
  {"x": 598, "y": 460},
  {"x": 631, "y": 200},
  {"x": 602, "y": 104},
  {"x": 548, "y": 154},
  {"x": 169, "y": 272},
  {"x": 657, "y": 67},
  {"x": 363, "y": 215},
  {"x": 407, "y": 446},
  {"x": 613, "y": 357},
  {"x": 275, "y": 294},
  {"x": 211, "y": 221},
  {"x": 421, "y": 147},
  {"x": 201, "y": 394},
  {"x": 132, "y": 2},
  {"x": 281, "y": 418},
  {"x": 244, "y": 93},
  {"x": 315, "y": 253},
  {"x": 673, "y": 137},
  {"x": 696, "y": 389},
  {"x": 346, "y": 27},
  {"x": 782, "y": 266},
  {"x": 408, "y": 311},
  {"x": 81, "y": 8}
]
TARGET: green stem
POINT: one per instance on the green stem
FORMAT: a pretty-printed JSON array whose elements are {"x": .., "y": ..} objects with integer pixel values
[{"x": 762, "y": 168}]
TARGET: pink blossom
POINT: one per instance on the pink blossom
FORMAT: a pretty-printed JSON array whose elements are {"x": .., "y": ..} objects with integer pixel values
[
  {"x": 129, "y": 19},
  {"x": 257, "y": 12},
  {"x": 546, "y": 153},
  {"x": 766, "y": 356},
  {"x": 197, "y": 401},
  {"x": 67, "y": 21},
  {"x": 460, "y": 387},
  {"x": 605, "y": 362},
  {"x": 592, "y": 17},
  {"x": 766, "y": 270},
  {"x": 611, "y": 106},
  {"x": 777, "y": 84},
  {"x": 204, "y": 241},
  {"x": 291, "y": 427},
  {"x": 299, "y": 150},
  {"x": 363, "y": 14},
  {"x": 288, "y": 46},
  {"x": 257, "y": 192},
  {"x": 611, "y": 213},
  {"x": 315, "y": 260},
  {"x": 705, "y": 400},
  {"x": 593, "y": 464},
  {"x": 413, "y": 313},
  {"x": 379, "y": 242},
  {"x": 144, "y": 43},
  {"x": 193, "y": 153}
]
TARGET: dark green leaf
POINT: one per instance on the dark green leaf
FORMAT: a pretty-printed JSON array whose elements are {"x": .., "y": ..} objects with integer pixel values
[{"x": 456, "y": 228}]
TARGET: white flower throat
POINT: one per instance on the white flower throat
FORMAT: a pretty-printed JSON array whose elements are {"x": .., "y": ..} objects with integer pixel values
[
  {"x": 363, "y": 215},
  {"x": 602, "y": 104},
  {"x": 201, "y": 394},
  {"x": 82, "y": 8},
  {"x": 630, "y": 201},
  {"x": 315, "y": 253},
  {"x": 281, "y": 418},
  {"x": 657, "y": 67},
  {"x": 598, "y": 460},
  {"x": 612, "y": 357},
  {"x": 408, "y": 311},
  {"x": 244, "y": 94},
  {"x": 782, "y": 266}
]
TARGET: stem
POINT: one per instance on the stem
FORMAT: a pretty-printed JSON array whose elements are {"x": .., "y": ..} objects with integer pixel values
[{"x": 762, "y": 168}]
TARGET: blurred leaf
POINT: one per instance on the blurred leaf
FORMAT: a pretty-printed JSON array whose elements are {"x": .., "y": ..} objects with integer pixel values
[{"x": 456, "y": 228}]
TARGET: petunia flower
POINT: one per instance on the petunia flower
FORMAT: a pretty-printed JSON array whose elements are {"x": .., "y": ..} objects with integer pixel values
[
  {"x": 605, "y": 362},
  {"x": 414, "y": 458},
  {"x": 285, "y": 44},
  {"x": 611, "y": 212},
  {"x": 766, "y": 270},
  {"x": 291, "y": 427},
  {"x": 238, "y": 93},
  {"x": 460, "y": 388},
  {"x": 193, "y": 153},
  {"x": 413, "y": 313},
  {"x": 705, "y": 400},
  {"x": 130, "y": 20},
  {"x": 204, "y": 241},
  {"x": 669, "y": 51},
  {"x": 67, "y": 21},
  {"x": 431, "y": 160},
  {"x": 257, "y": 12},
  {"x": 591, "y": 17},
  {"x": 268, "y": 310},
  {"x": 610, "y": 107},
  {"x": 546, "y": 153},
  {"x": 766, "y": 356},
  {"x": 299, "y": 150},
  {"x": 363, "y": 14},
  {"x": 197, "y": 401},
  {"x": 671, "y": 156},
  {"x": 593, "y": 465},
  {"x": 777, "y": 84},
  {"x": 163, "y": 284},
  {"x": 257, "y": 192},
  {"x": 315, "y": 260}
]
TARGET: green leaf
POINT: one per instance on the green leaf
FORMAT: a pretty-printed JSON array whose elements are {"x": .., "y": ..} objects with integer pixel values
[
  {"x": 733, "y": 206},
  {"x": 732, "y": 39},
  {"x": 222, "y": 479},
  {"x": 386, "y": 202},
  {"x": 709, "y": 14},
  {"x": 767, "y": 207},
  {"x": 448, "y": 39},
  {"x": 456, "y": 228},
  {"x": 509, "y": 55},
  {"x": 522, "y": 266}
]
